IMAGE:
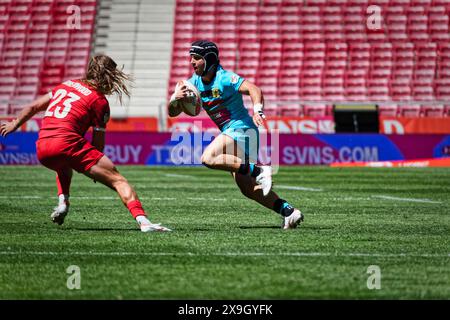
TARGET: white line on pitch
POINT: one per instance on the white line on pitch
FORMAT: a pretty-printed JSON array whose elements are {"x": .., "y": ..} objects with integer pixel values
[
  {"x": 228, "y": 254},
  {"x": 114, "y": 198},
  {"x": 117, "y": 198},
  {"x": 351, "y": 199},
  {"x": 97, "y": 198},
  {"x": 80, "y": 197},
  {"x": 406, "y": 199},
  {"x": 21, "y": 197},
  {"x": 210, "y": 199},
  {"x": 298, "y": 188},
  {"x": 174, "y": 175}
]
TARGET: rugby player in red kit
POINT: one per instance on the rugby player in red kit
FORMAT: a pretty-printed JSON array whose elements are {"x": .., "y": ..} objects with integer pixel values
[{"x": 70, "y": 110}]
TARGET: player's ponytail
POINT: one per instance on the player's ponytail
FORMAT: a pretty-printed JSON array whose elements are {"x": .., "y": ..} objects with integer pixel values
[{"x": 102, "y": 74}]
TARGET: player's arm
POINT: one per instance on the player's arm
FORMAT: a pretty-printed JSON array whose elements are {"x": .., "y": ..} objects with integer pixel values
[
  {"x": 173, "y": 106},
  {"x": 38, "y": 105},
  {"x": 257, "y": 97},
  {"x": 101, "y": 115},
  {"x": 98, "y": 138}
]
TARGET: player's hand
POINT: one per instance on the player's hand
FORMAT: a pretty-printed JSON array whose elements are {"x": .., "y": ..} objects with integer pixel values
[
  {"x": 259, "y": 118},
  {"x": 182, "y": 93},
  {"x": 7, "y": 128}
]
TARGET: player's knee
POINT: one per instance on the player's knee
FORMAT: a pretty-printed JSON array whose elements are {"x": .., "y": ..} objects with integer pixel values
[{"x": 207, "y": 160}]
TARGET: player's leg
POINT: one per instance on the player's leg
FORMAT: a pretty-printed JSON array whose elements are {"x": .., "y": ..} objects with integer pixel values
[
  {"x": 106, "y": 173},
  {"x": 63, "y": 180},
  {"x": 248, "y": 147},
  {"x": 50, "y": 154},
  {"x": 221, "y": 154},
  {"x": 253, "y": 191},
  {"x": 224, "y": 153},
  {"x": 291, "y": 216}
]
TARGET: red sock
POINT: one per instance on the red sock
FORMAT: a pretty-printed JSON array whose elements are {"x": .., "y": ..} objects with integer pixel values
[
  {"x": 135, "y": 208},
  {"x": 63, "y": 183}
]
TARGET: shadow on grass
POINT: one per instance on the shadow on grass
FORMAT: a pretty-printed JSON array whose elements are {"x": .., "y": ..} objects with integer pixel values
[
  {"x": 105, "y": 229},
  {"x": 260, "y": 227}
]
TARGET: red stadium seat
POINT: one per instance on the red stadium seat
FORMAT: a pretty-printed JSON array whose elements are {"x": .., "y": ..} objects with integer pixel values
[
  {"x": 7, "y": 84},
  {"x": 423, "y": 93},
  {"x": 4, "y": 108},
  {"x": 271, "y": 110},
  {"x": 356, "y": 93},
  {"x": 442, "y": 92},
  {"x": 315, "y": 110},
  {"x": 409, "y": 111},
  {"x": 291, "y": 110},
  {"x": 378, "y": 93},
  {"x": 432, "y": 111},
  {"x": 447, "y": 111},
  {"x": 311, "y": 93},
  {"x": 423, "y": 3},
  {"x": 400, "y": 92},
  {"x": 289, "y": 91},
  {"x": 335, "y": 93},
  {"x": 387, "y": 110}
]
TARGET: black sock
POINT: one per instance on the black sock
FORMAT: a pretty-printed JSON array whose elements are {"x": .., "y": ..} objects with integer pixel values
[
  {"x": 283, "y": 207},
  {"x": 256, "y": 171},
  {"x": 244, "y": 168}
]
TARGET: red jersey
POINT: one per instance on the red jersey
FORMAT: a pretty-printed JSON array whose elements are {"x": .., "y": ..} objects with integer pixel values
[{"x": 73, "y": 108}]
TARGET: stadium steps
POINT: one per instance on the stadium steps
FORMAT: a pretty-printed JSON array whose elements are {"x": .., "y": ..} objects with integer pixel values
[
  {"x": 138, "y": 34},
  {"x": 38, "y": 51}
]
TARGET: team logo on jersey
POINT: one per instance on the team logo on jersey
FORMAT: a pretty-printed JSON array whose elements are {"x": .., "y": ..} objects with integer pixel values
[
  {"x": 216, "y": 93},
  {"x": 234, "y": 79}
]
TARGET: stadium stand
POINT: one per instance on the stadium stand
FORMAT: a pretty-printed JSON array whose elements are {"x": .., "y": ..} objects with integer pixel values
[
  {"x": 40, "y": 47},
  {"x": 324, "y": 50},
  {"x": 39, "y": 50}
]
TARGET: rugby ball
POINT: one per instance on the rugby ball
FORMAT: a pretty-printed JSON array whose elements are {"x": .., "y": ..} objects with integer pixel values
[{"x": 192, "y": 104}]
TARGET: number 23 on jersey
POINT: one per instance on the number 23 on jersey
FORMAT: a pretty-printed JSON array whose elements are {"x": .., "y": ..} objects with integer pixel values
[{"x": 55, "y": 109}]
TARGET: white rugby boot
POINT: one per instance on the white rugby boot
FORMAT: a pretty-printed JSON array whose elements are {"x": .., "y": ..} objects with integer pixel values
[
  {"x": 154, "y": 227},
  {"x": 264, "y": 179},
  {"x": 293, "y": 220},
  {"x": 60, "y": 212},
  {"x": 147, "y": 226}
]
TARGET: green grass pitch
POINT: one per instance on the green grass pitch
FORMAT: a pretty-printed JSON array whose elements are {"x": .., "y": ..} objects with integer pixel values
[{"x": 227, "y": 247}]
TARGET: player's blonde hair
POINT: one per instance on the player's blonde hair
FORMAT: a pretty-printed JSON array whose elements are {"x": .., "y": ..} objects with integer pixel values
[{"x": 102, "y": 74}]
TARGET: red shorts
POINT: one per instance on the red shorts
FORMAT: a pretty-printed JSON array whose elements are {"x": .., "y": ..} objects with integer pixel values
[{"x": 58, "y": 153}]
